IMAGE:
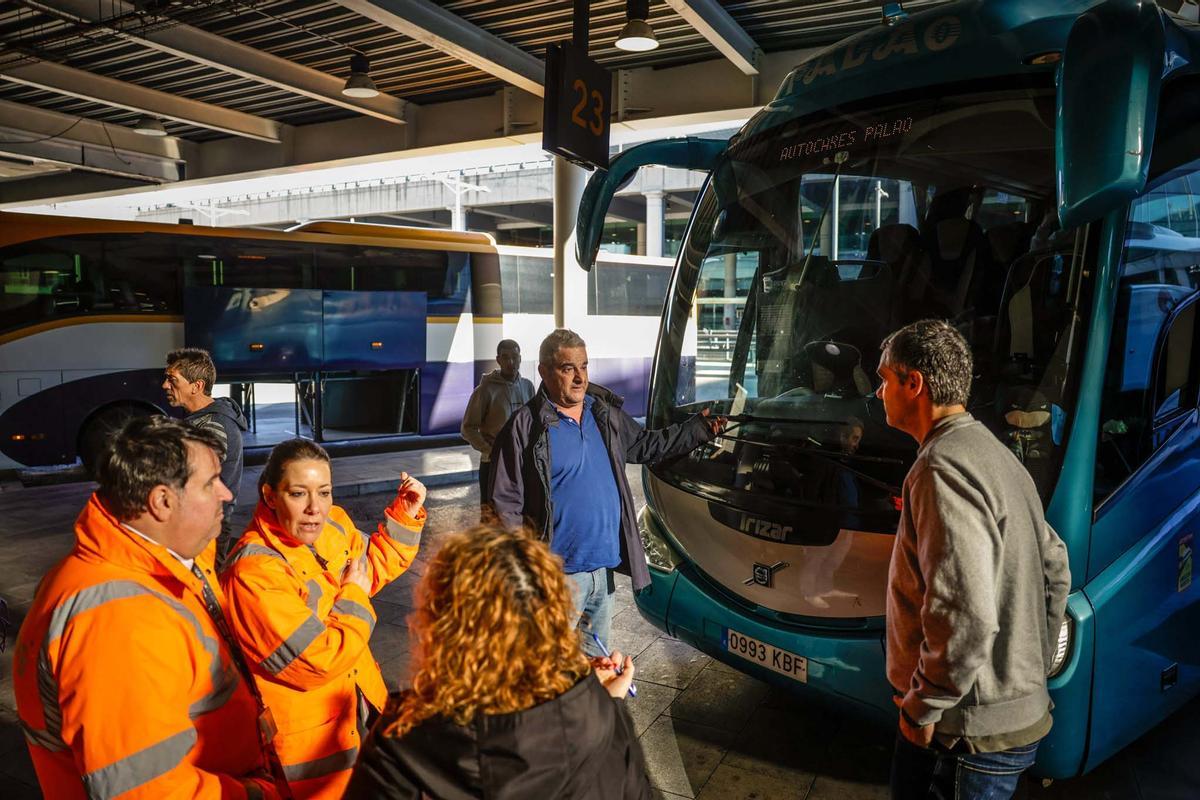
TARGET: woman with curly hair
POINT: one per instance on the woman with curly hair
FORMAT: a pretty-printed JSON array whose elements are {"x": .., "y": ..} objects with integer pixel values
[{"x": 503, "y": 703}]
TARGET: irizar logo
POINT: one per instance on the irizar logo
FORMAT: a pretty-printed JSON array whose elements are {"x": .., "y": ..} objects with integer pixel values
[
  {"x": 905, "y": 39},
  {"x": 764, "y": 574},
  {"x": 764, "y": 528}
]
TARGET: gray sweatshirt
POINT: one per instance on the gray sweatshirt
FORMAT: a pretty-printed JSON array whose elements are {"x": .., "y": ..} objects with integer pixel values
[
  {"x": 490, "y": 406},
  {"x": 977, "y": 587}
]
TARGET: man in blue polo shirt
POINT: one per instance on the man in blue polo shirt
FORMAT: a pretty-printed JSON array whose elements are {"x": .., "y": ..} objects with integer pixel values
[{"x": 558, "y": 469}]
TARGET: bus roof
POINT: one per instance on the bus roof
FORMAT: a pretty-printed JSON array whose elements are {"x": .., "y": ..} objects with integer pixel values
[
  {"x": 16, "y": 228},
  {"x": 965, "y": 40}
]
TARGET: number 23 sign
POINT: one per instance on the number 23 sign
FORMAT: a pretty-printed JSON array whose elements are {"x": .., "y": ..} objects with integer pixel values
[{"x": 576, "y": 111}]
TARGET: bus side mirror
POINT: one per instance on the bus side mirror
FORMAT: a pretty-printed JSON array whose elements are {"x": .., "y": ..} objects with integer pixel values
[
  {"x": 688, "y": 153},
  {"x": 1107, "y": 104}
]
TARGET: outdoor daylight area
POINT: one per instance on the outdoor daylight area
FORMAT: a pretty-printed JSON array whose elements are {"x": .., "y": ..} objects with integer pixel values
[{"x": 579, "y": 399}]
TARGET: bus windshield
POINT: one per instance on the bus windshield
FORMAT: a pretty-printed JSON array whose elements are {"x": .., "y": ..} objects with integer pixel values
[{"x": 815, "y": 239}]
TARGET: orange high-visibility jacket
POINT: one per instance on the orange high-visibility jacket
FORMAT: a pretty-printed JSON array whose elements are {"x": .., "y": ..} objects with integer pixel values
[
  {"x": 305, "y": 635},
  {"x": 124, "y": 686}
]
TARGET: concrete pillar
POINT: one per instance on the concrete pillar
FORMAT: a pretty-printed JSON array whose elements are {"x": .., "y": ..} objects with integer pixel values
[
  {"x": 570, "y": 281},
  {"x": 458, "y": 214},
  {"x": 731, "y": 290},
  {"x": 641, "y": 239},
  {"x": 654, "y": 223}
]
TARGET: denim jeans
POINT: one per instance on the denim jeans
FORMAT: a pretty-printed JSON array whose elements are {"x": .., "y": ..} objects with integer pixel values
[
  {"x": 919, "y": 773},
  {"x": 593, "y": 595}
]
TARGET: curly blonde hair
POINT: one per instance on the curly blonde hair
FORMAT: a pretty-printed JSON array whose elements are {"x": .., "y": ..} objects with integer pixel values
[{"x": 494, "y": 630}]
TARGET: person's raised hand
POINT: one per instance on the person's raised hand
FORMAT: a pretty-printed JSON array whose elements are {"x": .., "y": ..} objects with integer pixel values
[
  {"x": 358, "y": 574},
  {"x": 410, "y": 495}
]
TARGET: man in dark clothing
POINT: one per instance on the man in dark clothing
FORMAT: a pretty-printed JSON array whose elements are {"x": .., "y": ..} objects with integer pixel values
[
  {"x": 188, "y": 382},
  {"x": 499, "y": 394},
  {"x": 558, "y": 467}
]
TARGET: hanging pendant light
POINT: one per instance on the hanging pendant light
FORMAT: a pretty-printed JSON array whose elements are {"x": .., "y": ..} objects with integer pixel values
[
  {"x": 637, "y": 36},
  {"x": 149, "y": 126},
  {"x": 359, "y": 84}
]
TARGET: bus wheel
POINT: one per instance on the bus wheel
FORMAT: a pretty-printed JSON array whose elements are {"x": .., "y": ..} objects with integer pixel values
[{"x": 101, "y": 426}]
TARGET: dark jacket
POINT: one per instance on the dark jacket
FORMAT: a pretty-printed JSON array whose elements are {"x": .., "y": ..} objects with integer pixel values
[
  {"x": 225, "y": 419},
  {"x": 578, "y": 746},
  {"x": 520, "y": 478}
]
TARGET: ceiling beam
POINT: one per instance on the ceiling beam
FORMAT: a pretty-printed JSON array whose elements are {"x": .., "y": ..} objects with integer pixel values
[
  {"x": 217, "y": 52},
  {"x": 722, "y": 31},
  {"x": 89, "y": 86},
  {"x": 448, "y": 33},
  {"x": 36, "y": 134},
  {"x": 535, "y": 213},
  {"x": 628, "y": 209},
  {"x": 65, "y": 184}
]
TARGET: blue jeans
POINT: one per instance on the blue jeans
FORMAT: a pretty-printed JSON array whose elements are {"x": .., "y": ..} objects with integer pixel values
[
  {"x": 919, "y": 773},
  {"x": 593, "y": 596}
]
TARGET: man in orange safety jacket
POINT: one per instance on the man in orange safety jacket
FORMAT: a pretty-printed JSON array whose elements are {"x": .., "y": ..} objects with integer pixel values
[
  {"x": 125, "y": 685},
  {"x": 299, "y": 583}
]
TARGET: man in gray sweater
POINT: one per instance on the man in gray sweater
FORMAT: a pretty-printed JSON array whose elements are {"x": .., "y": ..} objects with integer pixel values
[{"x": 977, "y": 586}]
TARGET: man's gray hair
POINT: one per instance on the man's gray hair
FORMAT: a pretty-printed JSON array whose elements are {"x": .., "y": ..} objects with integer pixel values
[
  {"x": 939, "y": 352},
  {"x": 556, "y": 341}
]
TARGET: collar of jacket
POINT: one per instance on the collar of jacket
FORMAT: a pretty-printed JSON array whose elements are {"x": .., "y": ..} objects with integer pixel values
[
  {"x": 100, "y": 537},
  {"x": 297, "y": 554},
  {"x": 603, "y": 397}
]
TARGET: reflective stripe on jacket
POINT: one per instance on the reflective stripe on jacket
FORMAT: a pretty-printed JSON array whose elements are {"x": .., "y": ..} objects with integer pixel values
[
  {"x": 124, "y": 687},
  {"x": 305, "y": 635}
]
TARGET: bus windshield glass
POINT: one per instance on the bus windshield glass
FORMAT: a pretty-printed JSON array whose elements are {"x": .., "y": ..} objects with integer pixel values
[{"x": 815, "y": 239}]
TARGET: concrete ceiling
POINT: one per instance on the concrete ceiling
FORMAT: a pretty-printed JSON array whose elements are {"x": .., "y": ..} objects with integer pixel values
[{"x": 253, "y": 87}]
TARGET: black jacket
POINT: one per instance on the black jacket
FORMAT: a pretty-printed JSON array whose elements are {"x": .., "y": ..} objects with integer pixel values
[
  {"x": 520, "y": 477},
  {"x": 578, "y": 746},
  {"x": 225, "y": 419}
]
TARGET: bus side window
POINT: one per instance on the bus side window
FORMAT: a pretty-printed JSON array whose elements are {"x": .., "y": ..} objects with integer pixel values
[{"x": 1148, "y": 387}]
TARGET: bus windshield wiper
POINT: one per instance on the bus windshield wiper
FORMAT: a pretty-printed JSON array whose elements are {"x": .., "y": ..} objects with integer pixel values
[{"x": 838, "y": 459}]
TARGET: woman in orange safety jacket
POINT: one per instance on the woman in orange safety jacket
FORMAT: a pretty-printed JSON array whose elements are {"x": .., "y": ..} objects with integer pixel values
[{"x": 299, "y": 584}]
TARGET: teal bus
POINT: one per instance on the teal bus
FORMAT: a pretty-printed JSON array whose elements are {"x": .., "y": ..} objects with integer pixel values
[{"x": 1030, "y": 170}]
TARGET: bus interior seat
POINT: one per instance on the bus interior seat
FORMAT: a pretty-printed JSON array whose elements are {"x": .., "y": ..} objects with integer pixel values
[
  {"x": 957, "y": 248},
  {"x": 899, "y": 246},
  {"x": 1007, "y": 243}
]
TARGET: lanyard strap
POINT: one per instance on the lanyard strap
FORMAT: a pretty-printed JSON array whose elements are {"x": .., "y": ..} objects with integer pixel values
[{"x": 266, "y": 724}]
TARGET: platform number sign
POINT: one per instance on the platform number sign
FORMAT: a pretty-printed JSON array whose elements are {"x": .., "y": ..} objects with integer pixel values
[{"x": 575, "y": 122}]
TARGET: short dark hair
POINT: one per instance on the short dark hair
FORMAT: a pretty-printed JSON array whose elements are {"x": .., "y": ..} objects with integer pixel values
[
  {"x": 146, "y": 452},
  {"x": 285, "y": 453},
  {"x": 508, "y": 344},
  {"x": 194, "y": 364},
  {"x": 939, "y": 352}
]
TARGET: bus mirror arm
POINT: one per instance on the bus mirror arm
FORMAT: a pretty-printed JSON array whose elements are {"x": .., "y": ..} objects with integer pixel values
[{"x": 686, "y": 153}]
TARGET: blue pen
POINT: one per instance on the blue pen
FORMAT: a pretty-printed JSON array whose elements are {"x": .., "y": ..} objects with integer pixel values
[{"x": 604, "y": 650}]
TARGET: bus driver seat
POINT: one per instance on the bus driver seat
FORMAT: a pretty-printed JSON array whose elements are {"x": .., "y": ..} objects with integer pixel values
[{"x": 957, "y": 248}]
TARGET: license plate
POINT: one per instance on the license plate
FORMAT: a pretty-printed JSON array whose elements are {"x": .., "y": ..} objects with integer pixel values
[{"x": 766, "y": 655}]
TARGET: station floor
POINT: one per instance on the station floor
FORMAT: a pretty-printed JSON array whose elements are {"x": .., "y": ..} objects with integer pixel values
[{"x": 707, "y": 731}]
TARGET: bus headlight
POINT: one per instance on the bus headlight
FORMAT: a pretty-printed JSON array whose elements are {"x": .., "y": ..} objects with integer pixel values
[
  {"x": 1066, "y": 637},
  {"x": 659, "y": 553}
]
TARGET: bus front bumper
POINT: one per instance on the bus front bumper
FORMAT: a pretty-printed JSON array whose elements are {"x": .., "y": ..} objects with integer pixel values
[{"x": 847, "y": 667}]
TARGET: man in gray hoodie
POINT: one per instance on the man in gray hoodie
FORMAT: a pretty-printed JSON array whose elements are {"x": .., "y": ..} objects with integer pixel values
[
  {"x": 977, "y": 587},
  {"x": 188, "y": 382},
  {"x": 500, "y": 393}
]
